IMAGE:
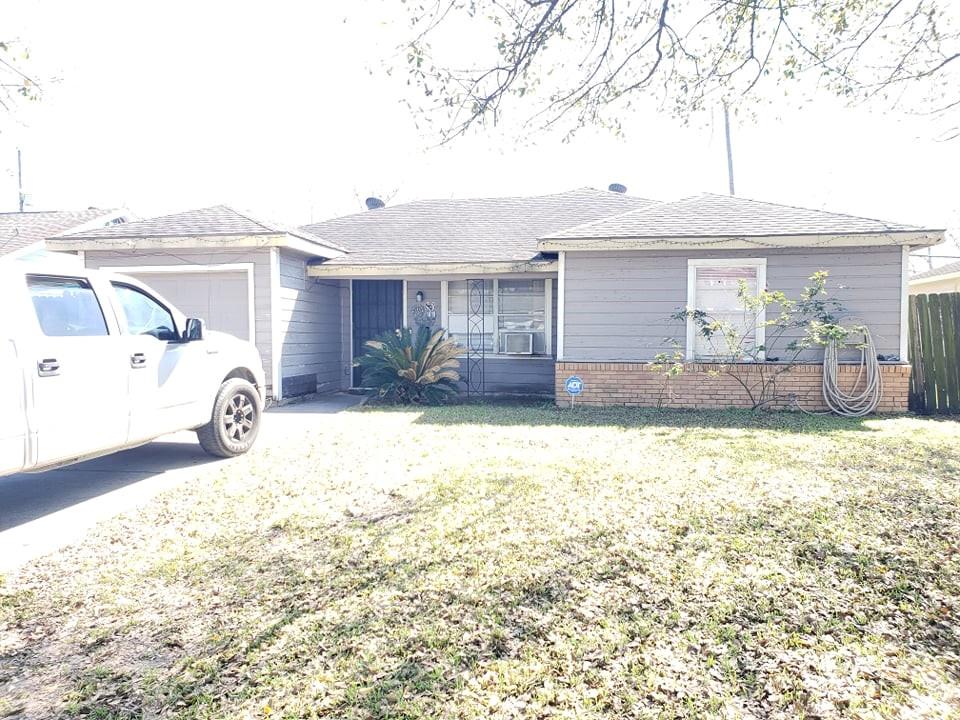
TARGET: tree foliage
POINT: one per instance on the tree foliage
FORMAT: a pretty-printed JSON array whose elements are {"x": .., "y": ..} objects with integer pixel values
[
  {"x": 590, "y": 60},
  {"x": 403, "y": 367},
  {"x": 15, "y": 83}
]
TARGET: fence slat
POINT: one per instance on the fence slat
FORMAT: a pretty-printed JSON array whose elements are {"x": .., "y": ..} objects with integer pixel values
[
  {"x": 934, "y": 327},
  {"x": 937, "y": 354},
  {"x": 929, "y": 368},
  {"x": 951, "y": 387},
  {"x": 915, "y": 358}
]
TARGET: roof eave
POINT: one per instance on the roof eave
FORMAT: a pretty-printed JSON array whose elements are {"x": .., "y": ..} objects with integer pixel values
[
  {"x": 493, "y": 267},
  {"x": 266, "y": 240},
  {"x": 934, "y": 278},
  {"x": 919, "y": 238}
]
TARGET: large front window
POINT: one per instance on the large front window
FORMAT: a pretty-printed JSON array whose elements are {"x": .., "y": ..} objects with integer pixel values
[
  {"x": 717, "y": 288},
  {"x": 512, "y": 318}
]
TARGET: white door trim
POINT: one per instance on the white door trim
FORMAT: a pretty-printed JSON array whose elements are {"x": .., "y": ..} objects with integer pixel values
[{"x": 248, "y": 268}]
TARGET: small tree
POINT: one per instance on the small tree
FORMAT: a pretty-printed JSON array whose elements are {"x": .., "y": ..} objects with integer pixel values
[
  {"x": 667, "y": 366},
  {"x": 407, "y": 368},
  {"x": 810, "y": 321}
]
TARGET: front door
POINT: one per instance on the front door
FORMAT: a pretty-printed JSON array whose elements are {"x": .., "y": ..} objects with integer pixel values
[
  {"x": 377, "y": 308},
  {"x": 79, "y": 371}
]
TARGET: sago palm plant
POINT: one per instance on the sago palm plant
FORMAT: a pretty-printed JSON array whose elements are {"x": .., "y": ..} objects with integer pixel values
[{"x": 404, "y": 367}]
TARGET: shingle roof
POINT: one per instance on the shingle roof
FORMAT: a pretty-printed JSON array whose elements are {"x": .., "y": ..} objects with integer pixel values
[
  {"x": 467, "y": 230},
  {"x": 19, "y": 230},
  {"x": 711, "y": 215},
  {"x": 947, "y": 269},
  {"x": 218, "y": 220}
]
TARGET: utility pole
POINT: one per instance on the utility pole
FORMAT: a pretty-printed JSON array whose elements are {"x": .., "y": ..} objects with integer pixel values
[
  {"x": 20, "y": 180},
  {"x": 726, "y": 127}
]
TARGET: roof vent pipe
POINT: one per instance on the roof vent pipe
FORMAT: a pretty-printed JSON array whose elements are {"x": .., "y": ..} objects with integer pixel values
[
  {"x": 617, "y": 188},
  {"x": 374, "y": 203}
]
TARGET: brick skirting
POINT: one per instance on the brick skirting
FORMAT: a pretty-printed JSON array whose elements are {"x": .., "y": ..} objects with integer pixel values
[{"x": 619, "y": 383}]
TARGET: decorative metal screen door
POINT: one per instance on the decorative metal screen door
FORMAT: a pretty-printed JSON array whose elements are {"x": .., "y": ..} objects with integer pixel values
[
  {"x": 377, "y": 308},
  {"x": 476, "y": 338}
]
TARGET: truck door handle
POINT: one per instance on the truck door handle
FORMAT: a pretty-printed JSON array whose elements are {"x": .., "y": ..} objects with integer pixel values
[
  {"x": 48, "y": 367},
  {"x": 138, "y": 360}
]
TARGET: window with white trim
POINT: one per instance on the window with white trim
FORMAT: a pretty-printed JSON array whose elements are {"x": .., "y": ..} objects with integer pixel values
[
  {"x": 713, "y": 287},
  {"x": 516, "y": 319}
]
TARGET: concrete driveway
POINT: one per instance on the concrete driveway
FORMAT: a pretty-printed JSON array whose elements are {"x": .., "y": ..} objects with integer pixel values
[{"x": 44, "y": 511}]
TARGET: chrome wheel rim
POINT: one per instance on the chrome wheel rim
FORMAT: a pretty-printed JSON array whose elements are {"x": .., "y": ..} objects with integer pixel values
[{"x": 238, "y": 416}]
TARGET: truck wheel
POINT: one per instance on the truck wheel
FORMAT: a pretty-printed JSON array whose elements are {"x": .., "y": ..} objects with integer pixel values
[{"x": 235, "y": 421}]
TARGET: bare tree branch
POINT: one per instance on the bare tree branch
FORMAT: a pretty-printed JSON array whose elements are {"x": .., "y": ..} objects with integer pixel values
[{"x": 588, "y": 59}]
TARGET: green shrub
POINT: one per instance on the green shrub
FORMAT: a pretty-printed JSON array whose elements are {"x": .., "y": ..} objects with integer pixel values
[{"x": 408, "y": 368}]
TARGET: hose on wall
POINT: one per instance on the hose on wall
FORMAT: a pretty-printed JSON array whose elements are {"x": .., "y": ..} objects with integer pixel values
[{"x": 855, "y": 402}]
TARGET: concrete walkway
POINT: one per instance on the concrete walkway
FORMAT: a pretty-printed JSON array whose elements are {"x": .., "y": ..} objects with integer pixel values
[{"x": 44, "y": 511}]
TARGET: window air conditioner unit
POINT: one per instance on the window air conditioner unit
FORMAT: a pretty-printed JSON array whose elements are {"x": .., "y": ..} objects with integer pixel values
[{"x": 517, "y": 343}]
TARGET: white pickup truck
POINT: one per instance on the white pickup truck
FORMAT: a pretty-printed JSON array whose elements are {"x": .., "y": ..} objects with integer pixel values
[{"x": 92, "y": 362}]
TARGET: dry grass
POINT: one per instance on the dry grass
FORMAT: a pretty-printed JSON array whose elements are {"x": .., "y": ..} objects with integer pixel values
[{"x": 476, "y": 562}]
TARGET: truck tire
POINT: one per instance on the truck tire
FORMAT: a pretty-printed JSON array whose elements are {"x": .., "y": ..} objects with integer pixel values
[{"x": 235, "y": 421}]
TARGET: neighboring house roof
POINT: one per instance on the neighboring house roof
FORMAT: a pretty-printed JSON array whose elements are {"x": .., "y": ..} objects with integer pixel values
[
  {"x": 220, "y": 222},
  {"x": 723, "y": 216},
  {"x": 20, "y": 230},
  {"x": 479, "y": 230},
  {"x": 941, "y": 273}
]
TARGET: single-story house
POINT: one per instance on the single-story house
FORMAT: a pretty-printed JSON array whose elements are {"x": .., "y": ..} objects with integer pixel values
[
  {"x": 576, "y": 283},
  {"x": 23, "y": 234},
  {"x": 944, "y": 279}
]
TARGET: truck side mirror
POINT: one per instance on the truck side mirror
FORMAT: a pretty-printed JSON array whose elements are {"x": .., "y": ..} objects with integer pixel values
[{"x": 193, "y": 330}]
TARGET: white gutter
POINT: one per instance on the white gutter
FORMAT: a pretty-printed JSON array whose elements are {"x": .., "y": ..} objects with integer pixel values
[
  {"x": 923, "y": 238},
  {"x": 278, "y": 240},
  {"x": 411, "y": 269}
]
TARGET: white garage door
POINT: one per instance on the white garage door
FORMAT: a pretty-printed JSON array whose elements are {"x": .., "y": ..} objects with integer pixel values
[{"x": 220, "y": 299}]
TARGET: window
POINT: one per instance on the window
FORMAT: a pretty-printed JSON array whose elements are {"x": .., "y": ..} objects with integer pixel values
[
  {"x": 66, "y": 307},
  {"x": 460, "y": 308},
  {"x": 515, "y": 315},
  {"x": 144, "y": 315},
  {"x": 713, "y": 286}
]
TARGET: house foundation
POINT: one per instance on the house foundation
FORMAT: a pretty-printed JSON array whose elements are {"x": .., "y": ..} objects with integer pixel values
[{"x": 709, "y": 385}]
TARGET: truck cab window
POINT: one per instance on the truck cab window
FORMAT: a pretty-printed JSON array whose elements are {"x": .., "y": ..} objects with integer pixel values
[
  {"x": 66, "y": 307},
  {"x": 144, "y": 315}
]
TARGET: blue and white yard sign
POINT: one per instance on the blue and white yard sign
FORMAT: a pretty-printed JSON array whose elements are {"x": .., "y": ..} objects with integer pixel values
[{"x": 574, "y": 385}]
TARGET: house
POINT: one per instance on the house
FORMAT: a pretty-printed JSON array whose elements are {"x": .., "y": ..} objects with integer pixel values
[
  {"x": 945, "y": 279},
  {"x": 22, "y": 234},
  {"x": 540, "y": 288}
]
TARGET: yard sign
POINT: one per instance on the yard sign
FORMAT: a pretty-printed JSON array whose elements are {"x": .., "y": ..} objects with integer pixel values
[{"x": 573, "y": 386}]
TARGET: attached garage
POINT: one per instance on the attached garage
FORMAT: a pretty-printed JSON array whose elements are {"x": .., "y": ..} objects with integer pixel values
[{"x": 240, "y": 276}]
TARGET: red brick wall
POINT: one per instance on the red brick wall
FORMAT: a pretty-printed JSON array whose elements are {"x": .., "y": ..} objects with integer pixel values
[{"x": 700, "y": 385}]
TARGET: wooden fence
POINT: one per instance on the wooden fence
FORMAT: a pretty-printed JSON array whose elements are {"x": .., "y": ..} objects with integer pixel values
[{"x": 935, "y": 353}]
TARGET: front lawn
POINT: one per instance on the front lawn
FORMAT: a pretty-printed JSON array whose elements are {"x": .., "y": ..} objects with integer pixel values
[{"x": 475, "y": 562}]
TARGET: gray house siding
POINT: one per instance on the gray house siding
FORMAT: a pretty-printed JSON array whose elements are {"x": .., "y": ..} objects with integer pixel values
[
  {"x": 431, "y": 293},
  {"x": 260, "y": 258},
  {"x": 309, "y": 328},
  {"x": 617, "y": 304}
]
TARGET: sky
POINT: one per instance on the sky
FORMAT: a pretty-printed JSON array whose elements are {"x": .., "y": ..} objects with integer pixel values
[{"x": 287, "y": 110}]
